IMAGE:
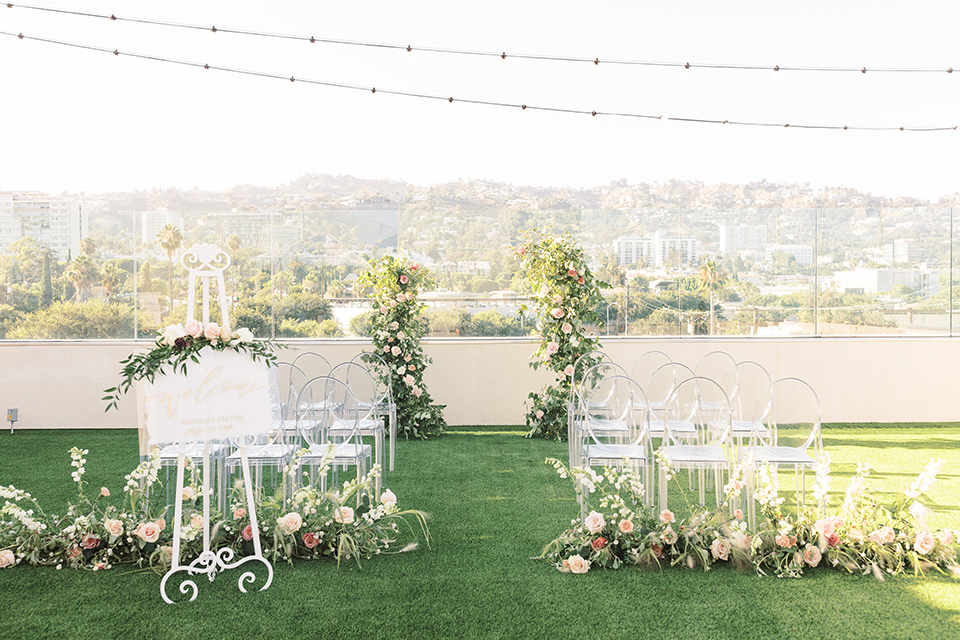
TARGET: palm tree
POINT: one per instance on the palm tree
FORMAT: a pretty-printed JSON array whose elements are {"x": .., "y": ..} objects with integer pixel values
[
  {"x": 711, "y": 279},
  {"x": 112, "y": 276},
  {"x": 81, "y": 272},
  {"x": 88, "y": 246},
  {"x": 170, "y": 238}
]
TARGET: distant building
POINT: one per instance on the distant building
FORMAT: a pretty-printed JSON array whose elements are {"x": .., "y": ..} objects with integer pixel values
[
  {"x": 803, "y": 253},
  {"x": 57, "y": 224},
  {"x": 378, "y": 223},
  {"x": 925, "y": 281},
  {"x": 257, "y": 229},
  {"x": 736, "y": 238},
  {"x": 654, "y": 250},
  {"x": 153, "y": 221},
  {"x": 902, "y": 251}
]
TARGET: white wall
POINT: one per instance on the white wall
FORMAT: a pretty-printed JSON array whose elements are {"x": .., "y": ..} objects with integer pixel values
[{"x": 58, "y": 385}]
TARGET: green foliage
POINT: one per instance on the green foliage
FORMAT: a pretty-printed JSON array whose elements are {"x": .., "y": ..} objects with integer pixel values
[
  {"x": 362, "y": 324},
  {"x": 494, "y": 324},
  {"x": 303, "y": 306},
  {"x": 448, "y": 321},
  {"x": 10, "y": 317},
  {"x": 290, "y": 328},
  {"x": 567, "y": 297},
  {"x": 73, "y": 320},
  {"x": 398, "y": 325}
]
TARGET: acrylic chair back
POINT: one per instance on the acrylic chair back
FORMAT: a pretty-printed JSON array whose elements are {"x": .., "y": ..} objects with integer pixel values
[
  {"x": 662, "y": 383},
  {"x": 686, "y": 406},
  {"x": 743, "y": 383},
  {"x": 789, "y": 409},
  {"x": 644, "y": 366},
  {"x": 616, "y": 412},
  {"x": 713, "y": 365},
  {"x": 362, "y": 383},
  {"x": 313, "y": 364},
  {"x": 326, "y": 401}
]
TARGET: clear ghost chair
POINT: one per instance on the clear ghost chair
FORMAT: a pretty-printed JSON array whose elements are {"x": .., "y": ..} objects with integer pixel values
[
  {"x": 713, "y": 365},
  {"x": 789, "y": 410},
  {"x": 582, "y": 391},
  {"x": 661, "y": 384},
  {"x": 743, "y": 384},
  {"x": 581, "y": 364},
  {"x": 269, "y": 451},
  {"x": 289, "y": 379},
  {"x": 386, "y": 406},
  {"x": 614, "y": 432},
  {"x": 709, "y": 450},
  {"x": 364, "y": 388},
  {"x": 339, "y": 413}
]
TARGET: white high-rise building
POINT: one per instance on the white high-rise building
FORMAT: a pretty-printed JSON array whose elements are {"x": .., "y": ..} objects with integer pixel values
[
  {"x": 803, "y": 253},
  {"x": 655, "y": 250},
  {"x": 742, "y": 237},
  {"x": 57, "y": 224},
  {"x": 153, "y": 221}
]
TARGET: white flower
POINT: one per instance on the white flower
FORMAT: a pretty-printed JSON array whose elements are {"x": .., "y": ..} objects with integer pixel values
[
  {"x": 172, "y": 332},
  {"x": 243, "y": 334},
  {"x": 388, "y": 498}
]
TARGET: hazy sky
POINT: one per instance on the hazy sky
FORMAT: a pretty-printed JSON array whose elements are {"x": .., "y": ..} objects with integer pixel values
[{"x": 73, "y": 120}]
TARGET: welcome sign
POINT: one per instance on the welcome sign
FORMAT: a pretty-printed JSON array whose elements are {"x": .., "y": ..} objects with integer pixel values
[{"x": 225, "y": 395}]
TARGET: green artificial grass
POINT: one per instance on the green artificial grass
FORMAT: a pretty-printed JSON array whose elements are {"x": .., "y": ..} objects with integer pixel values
[{"x": 493, "y": 505}]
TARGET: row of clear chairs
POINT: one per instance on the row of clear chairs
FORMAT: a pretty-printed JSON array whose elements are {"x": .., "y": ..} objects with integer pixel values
[
  {"x": 326, "y": 410},
  {"x": 702, "y": 424}
]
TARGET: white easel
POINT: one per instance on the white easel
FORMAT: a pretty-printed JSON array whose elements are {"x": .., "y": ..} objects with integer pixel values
[{"x": 207, "y": 262}]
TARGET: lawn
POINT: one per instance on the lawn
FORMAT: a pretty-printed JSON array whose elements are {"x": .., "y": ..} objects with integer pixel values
[{"x": 493, "y": 505}]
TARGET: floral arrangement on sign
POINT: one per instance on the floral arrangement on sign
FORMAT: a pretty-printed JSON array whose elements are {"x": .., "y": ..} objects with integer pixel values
[
  {"x": 179, "y": 344},
  {"x": 398, "y": 325},
  {"x": 98, "y": 533},
  {"x": 862, "y": 536},
  {"x": 567, "y": 297}
]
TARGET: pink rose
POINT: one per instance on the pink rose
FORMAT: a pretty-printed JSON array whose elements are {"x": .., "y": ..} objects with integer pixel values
[
  {"x": 384, "y": 310},
  {"x": 90, "y": 541},
  {"x": 193, "y": 329},
  {"x": 946, "y": 537},
  {"x": 738, "y": 514},
  {"x": 414, "y": 266},
  {"x": 247, "y": 533},
  {"x": 75, "y": 552},
  {"x": 390, "y": 339},
  {"x": 539, "y": 414},
  {"x": 408, "y": 379},
  {"x": 7, "y": 559},
  {"x": 567, "y": 328},
  {"x": 148, "y": 532},
  {"x": 626, "y": 526},
  {"x": 557, "y": 298},
  {"x": 827, "y": 526},
  {"x": 657, "y": 550},
  {"x": 576, "y": 564},
  {"x": 343, "y": 515},
  {"x": 211, "y": 332},
  {"x": 557, "y": 313},
  {"x": 568, "y": 370},
  {"x": 552, "y": 347},
  {"x": 386, "y": 348},
  {"x": 113, "y": 527},
  {"x": 811, "y": 555},
  {"x": 404, "y": 279},
  {"x": 883, "y": 535},
  {"x": 100, "y": 566},
  {"x": 401, "y": 297},
  {"x": 393, "y": 303},
  {"x": 924, "y": 543},
  {"x": 161, "y": 523},
  {"x": 412, "y": 367},
  {"x": 394, "y": 325},
  {"x": 239, "y": 514},
  {"x": 396, "y": 351},
  {"x": 580, "y": 280},
  {"x": 720, "y": 549},
  {"x": 833, "y": 539},
  {"x": 104, "y": 492},
  {"x": 594, "y": 522},
  {"x": 522, "y": 251},
  {"x": 666, "y": 516},
  {"x": 785, "y": 541},
  {"x": 417, "y": 391},
  {"x": 572, "y": 273},
  {"x": 407, "y": 358},
  {"x": 196, "y": 520},
  {"x": 598, "y": 543},
  {"x": 401, "y": 335},
  {"x": 291, "y": 522},
  {"x": 310, "y": 540}
]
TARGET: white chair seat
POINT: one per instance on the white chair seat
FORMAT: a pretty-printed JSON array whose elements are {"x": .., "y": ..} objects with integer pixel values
[
  {"x": 597, "y": 454},
  {"x": 346, "y": 450},
  {"x": 680, "y": 428},
  {"x": 744, "y": 428},
  {"x": 696, "y": 456},
  {"x": 263, "y": 454},
  {"x": 609, "y": 428},
  {"x": 766, "y": 454},
  {"x": 367, "y": 426}
]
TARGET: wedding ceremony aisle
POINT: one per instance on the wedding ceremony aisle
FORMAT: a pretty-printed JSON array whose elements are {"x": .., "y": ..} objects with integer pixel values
[{"x": 493, "y": 504}]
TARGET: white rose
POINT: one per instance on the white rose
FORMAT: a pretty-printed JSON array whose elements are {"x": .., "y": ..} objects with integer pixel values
[
  {"x": 576, "y": 564},
  {"x": 172, "y": 332},
  {"x": 7, "y": 559},
  {"x": 388, "y": 498},
  {"x": 244, "y": 335},
  {"x": 594, "y": 522},
  {"x": 343, "y": 515}
]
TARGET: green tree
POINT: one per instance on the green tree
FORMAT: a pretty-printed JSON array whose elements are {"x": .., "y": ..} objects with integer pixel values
[
  {"x": 46, "y": 294},
  {"x": 88, "y": 247},
  {"x": 82, "y": 273},
  {"x": 76, "y": 320},
  {"x": 169, "y": 237},
  {"x": 113, "y": 278}
]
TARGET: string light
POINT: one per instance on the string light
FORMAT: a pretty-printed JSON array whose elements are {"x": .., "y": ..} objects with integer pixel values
[
  {"x": 493, "y": 54},
  {"x": 450, "y": 99}
]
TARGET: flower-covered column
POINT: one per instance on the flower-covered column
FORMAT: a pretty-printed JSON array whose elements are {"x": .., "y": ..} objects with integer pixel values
[
  {"x": 398, "y": 325},
  {"x": 567, "y": 297}
]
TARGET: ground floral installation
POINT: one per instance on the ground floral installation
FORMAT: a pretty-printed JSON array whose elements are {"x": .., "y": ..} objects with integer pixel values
[
  {"x": 398, "y": 324},
  {"x": 861, "y": 536},
  {"x": 180, "y": 344},
  {"x": 101, "y": 532},
  {"x": 567, "y": 297}
]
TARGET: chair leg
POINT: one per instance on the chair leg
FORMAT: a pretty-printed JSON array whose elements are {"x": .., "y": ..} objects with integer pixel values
[{"x": 663, "y": 489}]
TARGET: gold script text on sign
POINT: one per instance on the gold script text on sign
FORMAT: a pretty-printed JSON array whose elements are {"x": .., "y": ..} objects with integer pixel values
[{"x": 212, "y": 386}]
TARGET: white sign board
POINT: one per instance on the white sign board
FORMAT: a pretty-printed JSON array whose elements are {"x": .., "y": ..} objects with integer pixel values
[{"x": 225, "y": 395}]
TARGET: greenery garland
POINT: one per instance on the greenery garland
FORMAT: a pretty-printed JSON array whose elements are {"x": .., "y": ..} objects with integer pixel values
[
  {"x": 180, "y": 344},
  {"x": 567, "y": 297},
  {"x": 398, "y": 324}
]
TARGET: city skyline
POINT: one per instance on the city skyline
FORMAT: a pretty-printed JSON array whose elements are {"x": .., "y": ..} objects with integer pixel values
[{"x": 89, "y": 121}]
